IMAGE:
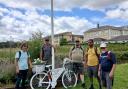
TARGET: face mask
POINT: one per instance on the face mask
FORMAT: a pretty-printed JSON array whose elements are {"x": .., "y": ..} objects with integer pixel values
[{"x": 103, "y": 51}]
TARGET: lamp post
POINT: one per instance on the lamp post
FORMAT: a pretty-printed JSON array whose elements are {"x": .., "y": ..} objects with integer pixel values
[
  {"x": 10, "y": 46},
  {"x": 52, "y": 35}
]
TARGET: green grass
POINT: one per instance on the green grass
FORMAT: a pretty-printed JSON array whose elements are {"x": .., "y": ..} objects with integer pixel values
[{"x": 120, "y": 79}]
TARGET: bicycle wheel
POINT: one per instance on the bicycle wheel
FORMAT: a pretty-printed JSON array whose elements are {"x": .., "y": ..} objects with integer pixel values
[
  {"x": 40, "y": 81},
  {"x": 69, "y": 79}
]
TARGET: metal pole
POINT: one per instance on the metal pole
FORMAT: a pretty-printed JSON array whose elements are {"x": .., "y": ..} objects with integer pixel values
[
  {"x": 52, "y": 35},
  {"x": 10, "y": 47}
]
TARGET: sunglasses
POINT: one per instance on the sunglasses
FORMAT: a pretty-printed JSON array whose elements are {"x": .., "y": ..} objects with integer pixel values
[{"x": 102, "y": 47}]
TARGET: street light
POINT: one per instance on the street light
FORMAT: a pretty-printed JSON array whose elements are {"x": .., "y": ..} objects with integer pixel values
[
  {"x": 52, "y": 35},
  {"x": 10, "y": 46}
]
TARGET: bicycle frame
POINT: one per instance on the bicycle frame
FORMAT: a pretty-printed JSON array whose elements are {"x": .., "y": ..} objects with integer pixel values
[{"x": 54, "y": 74}]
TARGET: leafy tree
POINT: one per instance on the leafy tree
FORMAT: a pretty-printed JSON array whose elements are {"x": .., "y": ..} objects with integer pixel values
[
  {"x": 63, "y": 41},
  {"x": 35, "y": 43}
]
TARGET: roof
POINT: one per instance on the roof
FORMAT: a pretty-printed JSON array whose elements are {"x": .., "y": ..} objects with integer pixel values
[
  {"x": 65, "y": 33},
  {"x": 78, "y": 36},
  {"x": 60, "y": 34},
  {"x": 120, "y": 38},
  {"x": 99, "y": 39},
  {"x": 106, "y": 28}
]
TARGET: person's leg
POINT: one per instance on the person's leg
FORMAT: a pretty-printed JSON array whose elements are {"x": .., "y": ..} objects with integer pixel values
[
  {"x": 18, "y": 79},
  {"x": 24, "y": 77},
  {"x": 90, "y": 74},
  {"x": 81, "y": 73},
  {"x": 77, "y": 71},
  {"x": 95, "y": 73},
  {"x": 108, "y": 81},
  {"x": 103, "y": 79}
]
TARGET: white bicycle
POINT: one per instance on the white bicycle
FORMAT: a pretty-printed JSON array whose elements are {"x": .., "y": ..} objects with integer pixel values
[{"x": 48, "y": 79}]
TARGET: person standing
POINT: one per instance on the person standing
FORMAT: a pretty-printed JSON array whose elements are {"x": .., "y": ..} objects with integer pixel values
[
  {"x": 107, "y": 66},
  {"x": 76, "y": 54},
  {"x": 22, "y": 63},
  {"x": 46, "y": 52},
  {"x": 92, "y": 62}
]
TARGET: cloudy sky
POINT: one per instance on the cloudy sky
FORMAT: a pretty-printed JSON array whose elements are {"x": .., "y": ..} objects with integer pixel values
[{"x": 20, "y": 18}]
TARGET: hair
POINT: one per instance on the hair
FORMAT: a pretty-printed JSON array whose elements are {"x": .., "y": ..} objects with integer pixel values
[
  {"x": 46, "y": 39},
  {"x": 23, "y": 44},
  {"x": 90, "y": 40},
  {"x": 77, "y": 41}
]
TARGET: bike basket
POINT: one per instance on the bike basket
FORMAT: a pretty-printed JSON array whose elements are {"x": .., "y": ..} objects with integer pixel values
[
  {"x": 68, "y": 66},
  {"x": 38, "y": 68}
]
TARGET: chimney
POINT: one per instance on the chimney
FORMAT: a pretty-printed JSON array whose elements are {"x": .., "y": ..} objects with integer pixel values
[{"x": 98, "y": 25}]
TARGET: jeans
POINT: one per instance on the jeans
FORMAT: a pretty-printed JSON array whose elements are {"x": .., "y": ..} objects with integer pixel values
[
  {"x": 106, "y": 80},
  {"x": 21, "y": 76}
]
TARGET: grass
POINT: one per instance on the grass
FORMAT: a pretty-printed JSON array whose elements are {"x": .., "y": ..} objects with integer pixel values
[{"x": 120, "y": 79}]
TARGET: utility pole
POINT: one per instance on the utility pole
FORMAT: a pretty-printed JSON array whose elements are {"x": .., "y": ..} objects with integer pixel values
[
  {"x": 52, "y": 35},
  {"x": 10, "y": 46}
]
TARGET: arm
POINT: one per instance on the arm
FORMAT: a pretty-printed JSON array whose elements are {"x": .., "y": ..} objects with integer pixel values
[
  {"x": 112, "y": 71},
  {"x": 30, "y": 63},
  {"x": 16, "y": 64},
  {"x": 86, "y": 57},
  {"x": 99, "y": 70},
  {"x": 41, "y": 53},
  {"x": 113, "y": 58},
  {"x": 70, "y": 53},
  {"x": 98, "y": 53}
]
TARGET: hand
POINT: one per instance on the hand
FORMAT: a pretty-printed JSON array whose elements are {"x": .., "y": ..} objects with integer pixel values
[
  {"x": 111, "y": 75},
  {"x": 99, "y": 74},
  {"x": 17, "y": 70},
  {"x": 83, "y": 62}
]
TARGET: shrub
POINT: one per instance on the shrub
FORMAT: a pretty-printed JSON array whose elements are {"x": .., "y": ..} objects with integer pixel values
[{"x": 34, "y": 48}]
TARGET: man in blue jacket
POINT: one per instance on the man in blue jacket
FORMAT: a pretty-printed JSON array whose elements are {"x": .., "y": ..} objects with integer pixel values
[{"x": 107, "y": 66}]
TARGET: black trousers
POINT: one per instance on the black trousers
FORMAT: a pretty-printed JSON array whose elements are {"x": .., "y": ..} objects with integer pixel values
[{"x": 21, "y": 76}]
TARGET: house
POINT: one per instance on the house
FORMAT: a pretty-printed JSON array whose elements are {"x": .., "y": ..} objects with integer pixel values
[
  {"x": 119, "y": 39},
  {"x": 105, "y": 32},
  {"x": 71, "y": 38}
]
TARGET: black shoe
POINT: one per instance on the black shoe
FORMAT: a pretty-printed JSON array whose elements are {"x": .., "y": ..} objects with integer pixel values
[
  {"x": 91, "y": 87},
  {"x": 100, "y": 87},
  {"x": 83, "y": 85}
]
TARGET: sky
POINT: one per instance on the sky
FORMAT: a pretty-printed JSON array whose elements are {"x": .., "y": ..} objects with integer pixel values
[{"x": 20, "y": 18}]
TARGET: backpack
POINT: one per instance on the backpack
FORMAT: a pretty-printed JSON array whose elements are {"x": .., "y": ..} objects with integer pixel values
[
  {"x": 95, "y": 48},
  {"x": 75, "y": 47},
  {"x": 80, "y": 48},
  {"x": 109, "y": 54},
  {"x": 20, "y": 54}
]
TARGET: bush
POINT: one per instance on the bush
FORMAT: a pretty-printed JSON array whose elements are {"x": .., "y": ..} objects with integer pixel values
[
  {"x": 124, "y": 56},
  {"x": 63, "y": 41},
  {"x": 7, "y": 72},
  {"x": 34, "y": 48}
]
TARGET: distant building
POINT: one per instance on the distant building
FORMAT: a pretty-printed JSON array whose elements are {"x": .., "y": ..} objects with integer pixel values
[
  {"x": 119, "y": 39},
  {"x": 71, "y": 38},
  {"x": 105, "y": 32}
]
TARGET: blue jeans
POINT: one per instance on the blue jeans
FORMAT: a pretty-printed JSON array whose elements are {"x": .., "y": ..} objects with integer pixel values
[
  {"x": 106, "y": 80},
  {"x": 21, "y": 76}
]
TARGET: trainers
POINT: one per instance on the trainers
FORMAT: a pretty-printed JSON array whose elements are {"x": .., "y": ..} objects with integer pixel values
[{"x": 83, "y": 86}]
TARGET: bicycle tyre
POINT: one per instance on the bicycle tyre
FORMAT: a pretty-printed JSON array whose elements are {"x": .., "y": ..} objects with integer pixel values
[
  {"x": 40, "y": 81},
  {"x": 69, "y": 79}
]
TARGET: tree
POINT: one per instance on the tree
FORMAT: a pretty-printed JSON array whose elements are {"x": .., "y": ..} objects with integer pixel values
[
  {"x": 35, "y": 44},
  {"x": 63, "y": 41}
]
